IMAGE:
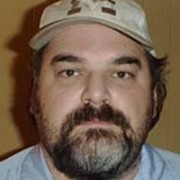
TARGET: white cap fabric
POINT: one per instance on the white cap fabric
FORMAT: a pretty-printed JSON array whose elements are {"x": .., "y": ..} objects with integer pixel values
[{"x": 124, "y": 15}]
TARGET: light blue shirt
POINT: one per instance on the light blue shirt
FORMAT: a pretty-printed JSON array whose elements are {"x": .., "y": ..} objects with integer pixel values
[{"x": 156, "y": 164}]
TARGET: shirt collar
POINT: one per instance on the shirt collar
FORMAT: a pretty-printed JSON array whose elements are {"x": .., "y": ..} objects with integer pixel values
[{"x": 34, "y": 166}]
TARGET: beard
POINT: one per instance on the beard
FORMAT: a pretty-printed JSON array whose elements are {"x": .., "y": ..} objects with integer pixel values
[{"x": 95, "y": 152}]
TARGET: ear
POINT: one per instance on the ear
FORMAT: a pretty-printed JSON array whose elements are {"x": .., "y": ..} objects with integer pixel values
[
  {"x": 33, "y": 108},
  {"x": 155, "y": 102}
]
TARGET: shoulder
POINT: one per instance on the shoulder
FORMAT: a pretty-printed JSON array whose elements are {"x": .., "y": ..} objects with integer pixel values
[
  {"x": 165, "y": 155},
  {"x": 11, "y": 166},
  {"x": 163, "y": 159}
]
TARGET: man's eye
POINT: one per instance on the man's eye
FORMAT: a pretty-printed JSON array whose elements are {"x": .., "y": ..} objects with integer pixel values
[
  {"x": 124, "y": 75},
  {"x": 69, "y": 73}
]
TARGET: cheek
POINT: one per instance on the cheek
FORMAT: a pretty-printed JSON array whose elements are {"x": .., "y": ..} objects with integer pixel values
[
  {"x": 135, "y": 103},
  {"x": 57, "y": 101}
]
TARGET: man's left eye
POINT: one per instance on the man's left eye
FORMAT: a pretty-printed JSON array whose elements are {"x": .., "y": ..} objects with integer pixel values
[
  {"x": 69, "y": 73},
  {"x": 124, "y": 75}
]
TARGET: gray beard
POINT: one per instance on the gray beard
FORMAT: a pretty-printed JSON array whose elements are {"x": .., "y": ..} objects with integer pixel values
[
  {"x": 96, "y": 153},
  {"x": 97, "y": 150}
]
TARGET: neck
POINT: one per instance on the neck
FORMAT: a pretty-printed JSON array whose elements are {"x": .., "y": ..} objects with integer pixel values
[{"x": 57, "y": 175}]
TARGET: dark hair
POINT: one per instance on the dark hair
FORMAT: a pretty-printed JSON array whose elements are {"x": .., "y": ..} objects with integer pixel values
[{"x": 157, "y": 69}]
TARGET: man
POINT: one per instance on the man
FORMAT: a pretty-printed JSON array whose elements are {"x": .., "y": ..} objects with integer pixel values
[{"x": 98, "y": 90}]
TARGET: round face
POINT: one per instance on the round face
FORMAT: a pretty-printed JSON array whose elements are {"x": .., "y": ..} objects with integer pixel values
[{"x": 95, "y": 100}]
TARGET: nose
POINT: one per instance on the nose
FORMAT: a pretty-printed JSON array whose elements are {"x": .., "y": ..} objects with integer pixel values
[{"x": 96, "y": 91}]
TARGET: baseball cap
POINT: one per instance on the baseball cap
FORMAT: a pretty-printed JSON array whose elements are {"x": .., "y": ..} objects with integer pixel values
[{"x": 125, "y": 16}]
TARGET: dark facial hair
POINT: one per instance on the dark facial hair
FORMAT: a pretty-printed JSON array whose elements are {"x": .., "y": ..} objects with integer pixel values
[{"x": 74, "y": 155}]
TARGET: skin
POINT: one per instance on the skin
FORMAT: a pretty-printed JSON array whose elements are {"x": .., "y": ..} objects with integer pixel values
[{"x": 82, "y": 64}]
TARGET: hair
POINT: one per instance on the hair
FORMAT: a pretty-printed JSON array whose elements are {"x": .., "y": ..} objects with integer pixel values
[
  {"x": 157, "y": 68},
  {"x": 158, "y": 71}
]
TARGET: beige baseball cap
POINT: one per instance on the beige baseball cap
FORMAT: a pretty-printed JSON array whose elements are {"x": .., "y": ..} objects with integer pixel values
[{"x": 125, "y": 16}]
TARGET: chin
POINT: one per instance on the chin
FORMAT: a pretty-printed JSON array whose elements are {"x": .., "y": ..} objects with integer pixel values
[{"x": 94, "y": 153}]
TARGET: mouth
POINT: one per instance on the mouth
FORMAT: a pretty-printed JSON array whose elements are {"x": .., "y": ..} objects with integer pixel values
[{"x": 96, "y": 123}]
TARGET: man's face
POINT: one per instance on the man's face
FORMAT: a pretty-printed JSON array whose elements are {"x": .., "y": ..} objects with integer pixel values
[{"x": 94, "y": 94}]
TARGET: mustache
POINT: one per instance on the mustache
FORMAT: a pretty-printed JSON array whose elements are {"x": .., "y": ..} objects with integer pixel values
[{"x": 88, "y": 112}]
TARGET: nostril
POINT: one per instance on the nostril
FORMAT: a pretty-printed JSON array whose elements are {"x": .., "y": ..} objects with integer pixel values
[
  {"x": 87, "y": 101},
  {"x": 106, "y": 101}
]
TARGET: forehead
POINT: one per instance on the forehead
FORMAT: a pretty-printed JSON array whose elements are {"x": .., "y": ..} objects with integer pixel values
[{"x": 93, "y": 41}]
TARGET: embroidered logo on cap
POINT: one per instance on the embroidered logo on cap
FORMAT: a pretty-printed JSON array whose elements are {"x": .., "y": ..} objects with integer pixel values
[{"x": 106, "y": 6}]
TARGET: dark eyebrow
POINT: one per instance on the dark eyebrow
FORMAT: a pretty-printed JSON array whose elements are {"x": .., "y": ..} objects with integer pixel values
[
  {"x": 65, "y": 58},
  {"x": 127, "y": 60}
]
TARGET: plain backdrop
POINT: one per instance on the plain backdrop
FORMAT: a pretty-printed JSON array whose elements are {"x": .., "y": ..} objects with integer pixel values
[{"x": 18, "y": 21}]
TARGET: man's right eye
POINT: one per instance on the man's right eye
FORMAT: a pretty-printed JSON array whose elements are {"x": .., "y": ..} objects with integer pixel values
[{"x": 68, "y": 73}]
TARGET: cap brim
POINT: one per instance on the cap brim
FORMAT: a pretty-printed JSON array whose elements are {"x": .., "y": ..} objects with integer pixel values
[{"x": 47, "y": 33}]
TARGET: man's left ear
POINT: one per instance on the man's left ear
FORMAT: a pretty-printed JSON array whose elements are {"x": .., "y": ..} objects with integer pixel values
[{"x": 155, "y": 103}]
